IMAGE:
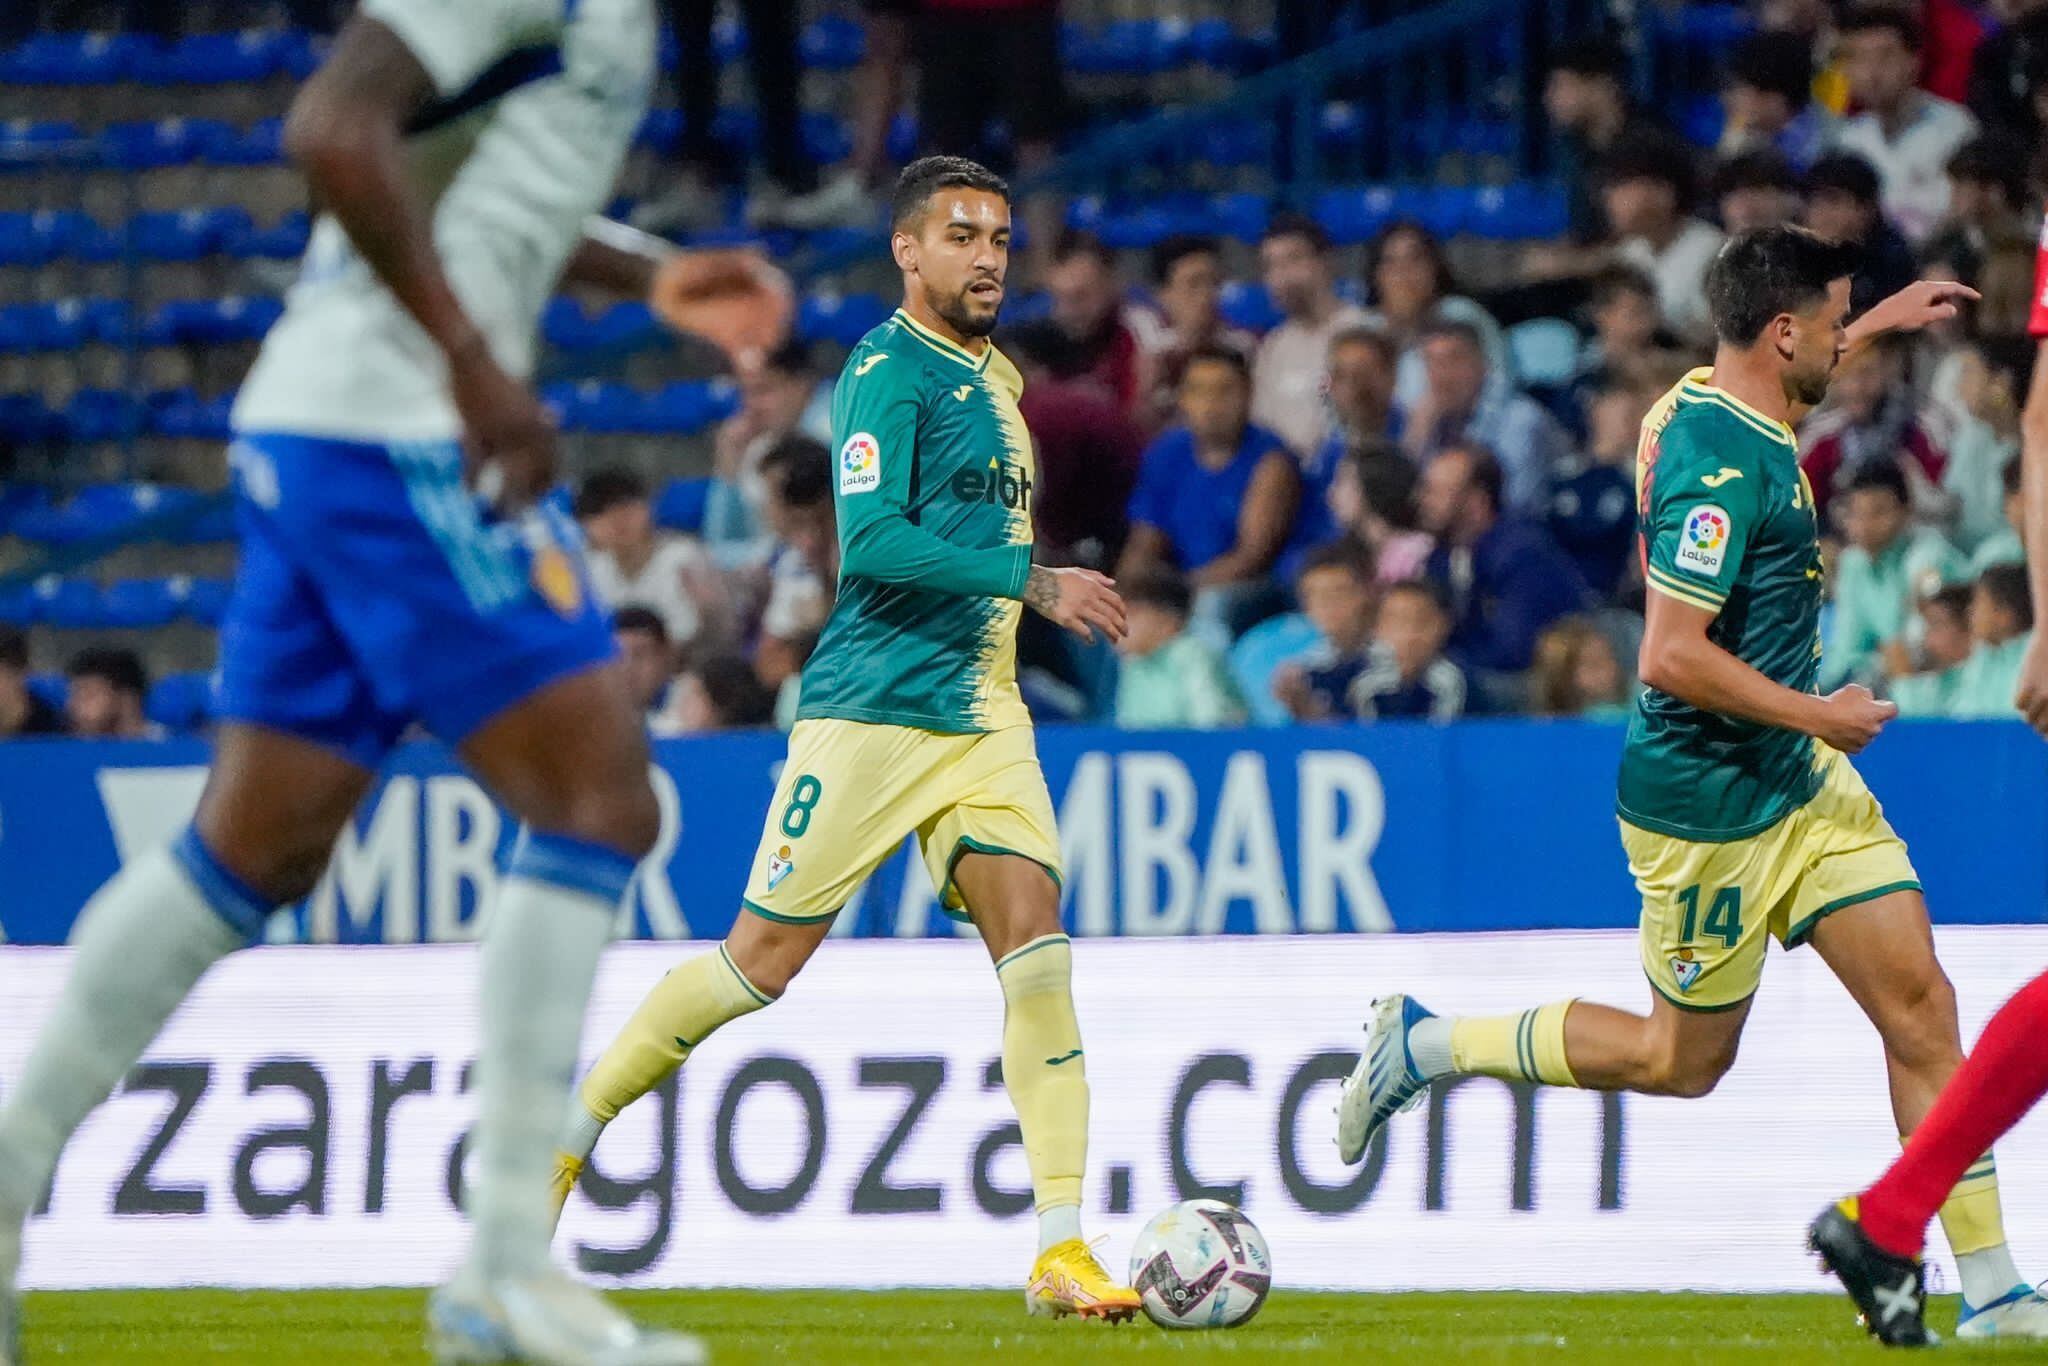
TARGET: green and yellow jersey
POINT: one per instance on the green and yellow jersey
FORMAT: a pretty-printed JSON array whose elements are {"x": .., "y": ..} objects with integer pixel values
[
  {"x": 1727, "y": 524},
  {"x": 934, "y": 475}
]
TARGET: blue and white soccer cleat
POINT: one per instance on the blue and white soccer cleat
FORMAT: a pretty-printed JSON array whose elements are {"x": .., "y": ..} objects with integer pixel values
[
  {"x": 2021, "y": 1314},
  {"x": 544, "y": 1320},
  {"x": 1386, "y": 1080}
]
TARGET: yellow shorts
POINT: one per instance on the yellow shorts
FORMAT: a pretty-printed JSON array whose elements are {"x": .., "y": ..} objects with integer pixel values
[
  {"x": 851, "y": 791},
  {"x": 1707, "y": 908}
]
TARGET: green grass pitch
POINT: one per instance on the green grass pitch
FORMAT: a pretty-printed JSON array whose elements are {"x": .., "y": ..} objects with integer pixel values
[{"x": 112, "y": 1328}]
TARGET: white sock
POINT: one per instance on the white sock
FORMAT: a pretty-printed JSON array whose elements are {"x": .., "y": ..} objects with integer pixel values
[
  {"x": 140, "y": 944},
  {"x": 1429, "y": 1044},
  {"x": 580, "y": 1134},
  {"x": 551, "y": 922},
  {"x": 1057, "y": 1224},
  {"x": 1988, "y": 1274}
]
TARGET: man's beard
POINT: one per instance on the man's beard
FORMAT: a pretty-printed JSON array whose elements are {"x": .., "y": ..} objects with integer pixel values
[
  {"x": 1811, "y": 389},
  {"x": 959, "y": 315}
]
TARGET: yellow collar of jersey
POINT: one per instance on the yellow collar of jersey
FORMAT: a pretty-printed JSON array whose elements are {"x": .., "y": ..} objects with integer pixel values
[
  {"x": 946, "y": 346},
  {"x": 1696, "y": 388}
]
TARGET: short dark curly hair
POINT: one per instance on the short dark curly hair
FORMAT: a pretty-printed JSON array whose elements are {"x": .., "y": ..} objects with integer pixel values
[{"x": 926, "y": 176}]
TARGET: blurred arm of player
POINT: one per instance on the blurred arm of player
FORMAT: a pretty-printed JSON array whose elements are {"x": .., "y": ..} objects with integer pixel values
[
  {"x": 733, "y": 298},
  {"x": 2032, "y": 696},
  {"x": 346, "y": 131},
  {"x": 1678, "y": 658},
  {"x": 1918, "y": 305}
]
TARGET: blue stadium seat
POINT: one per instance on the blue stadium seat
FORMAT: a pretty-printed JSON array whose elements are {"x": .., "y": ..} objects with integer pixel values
[
  {"x": 181, "y": 414},
  {"x": 95, "y": 415},
  {"x": 624, "y": 324},
  {"x": 1543, "y": 351},
  {"x": 40, "y": 142},
  {"x": 216, "y": 525},
  {"x": 599, "y": 406},
  {"x": 23, "y": 242},
  {"x": 1241, "y": 214},
  {"x": 564, "y": 324},
  {"x": 1246, "y": 304},
  {"x": 51, "y": 688},
  {"x": 25, "y": 420},
  {"x": 71, "y": 59},
  {"x": 834, "y": 43},
  {"x": 284, "y": 240},
  {"x": 205, "y": 600},
  {"x": 903, "y": 138},
  {"x": 180, "y": 701},
  {"x": 69, "y": 604},
  {"x": 300, "y": 53},
  {"x": 219, "y": 59},
  {"x": 19, "y": 606},
  {"x": 17, "y": 499},
  {"x": 138, "y": 604},
  {"x": 826, "y": 139},
  {"x": 661, "y": 132},
  {"x": 680, "y": 504},
  {"x": 840, "y": 318},
  {"x": 1355, "y": 213},
  {"x": 223, "y": 144},
  {"x": 147, "y": 146},
  {"x": 186, "y": 234},
  {"x": 214, "y": 322}
]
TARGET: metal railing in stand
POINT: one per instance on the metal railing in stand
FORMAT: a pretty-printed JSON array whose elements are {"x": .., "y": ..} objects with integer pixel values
[{"x": 1449, "y": 90}]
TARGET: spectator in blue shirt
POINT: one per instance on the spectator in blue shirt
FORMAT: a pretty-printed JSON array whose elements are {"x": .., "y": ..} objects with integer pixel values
[
  {"x": 1216, "y": 496},
  {"x": 1504, "y": 577},
  {"x": 1461, "y": 404},
  {"x": 1592, "y": 510},
  {"x": 1360, "y": 388},
  {"x": 1336, "y": 593}
]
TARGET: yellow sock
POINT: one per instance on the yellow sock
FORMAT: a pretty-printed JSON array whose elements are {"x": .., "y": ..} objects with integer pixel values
[
  {"x": 1524, "y": 1047},
  {"x": 680, "y": 1013},
  {"x": 1971, "y": 1216},
  {"x": 1043, "y": 1069}
]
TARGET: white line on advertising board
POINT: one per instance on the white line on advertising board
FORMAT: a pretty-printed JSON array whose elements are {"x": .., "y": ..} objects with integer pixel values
[{"x": 299, "y": 1122}]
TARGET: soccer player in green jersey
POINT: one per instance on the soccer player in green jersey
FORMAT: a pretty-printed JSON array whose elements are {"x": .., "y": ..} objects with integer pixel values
[
  {"x": 1741, "y": 815},
  {"x": 910, "y": 720}
]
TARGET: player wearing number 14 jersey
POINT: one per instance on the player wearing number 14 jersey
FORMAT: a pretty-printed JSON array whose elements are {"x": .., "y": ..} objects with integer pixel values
[
  {"x": 1741, "y": 814},
  {"x": 910, "y": 720}
]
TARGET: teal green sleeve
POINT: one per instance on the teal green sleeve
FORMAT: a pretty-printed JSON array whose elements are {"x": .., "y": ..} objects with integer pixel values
[
  {"x": 874, "y": 427},
  {"x": 1701, "y": 515}
]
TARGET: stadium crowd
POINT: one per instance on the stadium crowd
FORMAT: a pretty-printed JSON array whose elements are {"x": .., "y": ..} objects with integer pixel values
[
  {"x": 1363, "y": 514},
  {"x": 1401, "y": 500}
]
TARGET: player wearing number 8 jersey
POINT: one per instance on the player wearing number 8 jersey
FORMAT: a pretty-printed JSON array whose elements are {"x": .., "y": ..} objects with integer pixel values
[
  {"x": 910, "y": 720},
  {"x": 1740, "y": 812}
]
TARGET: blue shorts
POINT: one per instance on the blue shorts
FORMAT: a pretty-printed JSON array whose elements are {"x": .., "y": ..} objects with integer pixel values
[{"x": 376, "y": 591}]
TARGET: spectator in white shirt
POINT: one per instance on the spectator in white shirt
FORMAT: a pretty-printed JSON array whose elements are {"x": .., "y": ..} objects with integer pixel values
[
  {"x": 1409, "y": 281},
  {"x": 1287, "y": 376},
  {"x": 1646, "y": 189},
  {"x": 778, "y": 395},
  {"x": 634, "y": 564},
  {"x": 1461, "y": 407},
  {"x": 1906, "y": 133}
]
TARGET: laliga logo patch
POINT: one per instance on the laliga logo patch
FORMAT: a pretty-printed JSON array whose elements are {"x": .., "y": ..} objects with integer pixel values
[
  {"x": 860, "y": 464},
  {"x": 1703, "y": 545},
  {"x": 780, "y": 866},
  {"x": 1683, "y": 967}
]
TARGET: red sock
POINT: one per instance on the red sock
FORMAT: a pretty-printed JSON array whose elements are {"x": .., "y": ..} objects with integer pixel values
[{"x": 1999, "y": 1082}]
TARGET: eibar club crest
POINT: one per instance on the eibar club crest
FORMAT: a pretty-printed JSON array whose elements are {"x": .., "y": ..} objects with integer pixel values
[
  {"x": 780, "y": 866},
  {"x": 1684, "y": 967}
]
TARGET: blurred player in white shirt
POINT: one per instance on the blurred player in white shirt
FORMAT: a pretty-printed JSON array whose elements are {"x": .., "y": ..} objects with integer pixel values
[{"x": 395, "y": 570}]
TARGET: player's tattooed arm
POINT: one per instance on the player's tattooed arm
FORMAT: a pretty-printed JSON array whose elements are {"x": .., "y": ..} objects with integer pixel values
[{"x": 1080, "y": 600}]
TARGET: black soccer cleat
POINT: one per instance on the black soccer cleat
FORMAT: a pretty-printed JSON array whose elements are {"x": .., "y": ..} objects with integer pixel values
[{"x": 1891, "y": 1291}]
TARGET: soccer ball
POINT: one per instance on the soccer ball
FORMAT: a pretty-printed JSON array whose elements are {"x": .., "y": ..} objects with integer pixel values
[{"x": 1201, "y": 1264}]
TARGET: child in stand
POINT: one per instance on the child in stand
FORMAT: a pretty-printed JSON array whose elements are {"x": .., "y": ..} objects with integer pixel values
[{"x": 1169, "y": 679}]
